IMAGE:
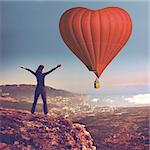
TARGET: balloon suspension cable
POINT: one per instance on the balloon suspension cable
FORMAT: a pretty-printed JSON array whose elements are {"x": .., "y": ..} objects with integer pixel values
[{"x": 96, "y": 79}]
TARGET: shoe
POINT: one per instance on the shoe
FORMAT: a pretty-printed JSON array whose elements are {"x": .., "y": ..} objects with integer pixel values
[
  {"x": 45, "y": 113},
  {"x": 32, "y": 112}
]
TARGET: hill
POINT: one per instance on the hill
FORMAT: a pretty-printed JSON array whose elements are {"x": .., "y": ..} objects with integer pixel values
[{"x": 25, "y": 92}]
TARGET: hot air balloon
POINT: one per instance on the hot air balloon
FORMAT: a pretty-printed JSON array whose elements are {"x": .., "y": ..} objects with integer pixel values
[{"x": 95, "y": 36}]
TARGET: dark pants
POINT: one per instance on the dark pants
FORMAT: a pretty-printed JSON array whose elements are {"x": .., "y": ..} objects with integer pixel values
[{"x": 40, "y": 91}]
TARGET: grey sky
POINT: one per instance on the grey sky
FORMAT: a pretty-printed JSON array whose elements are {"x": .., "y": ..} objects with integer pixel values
[{"x": 30, "y": 36}]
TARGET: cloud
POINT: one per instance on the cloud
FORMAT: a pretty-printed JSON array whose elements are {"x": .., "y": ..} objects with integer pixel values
[
  {"x": 139, "y": 99},
  {"x": 95, "y": 100}
]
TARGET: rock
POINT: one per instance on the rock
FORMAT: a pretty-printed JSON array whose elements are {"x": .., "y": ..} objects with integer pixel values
[
  {"x": 22, "y": 130},
  {"x": 3, "y": 145}
]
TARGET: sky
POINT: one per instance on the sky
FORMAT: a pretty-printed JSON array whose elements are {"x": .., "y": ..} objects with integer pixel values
[{"x": 30, "y": 37}]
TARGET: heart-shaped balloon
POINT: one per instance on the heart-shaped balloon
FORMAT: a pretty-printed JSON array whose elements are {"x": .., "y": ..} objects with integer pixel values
[{"x": 95, "y": 36}]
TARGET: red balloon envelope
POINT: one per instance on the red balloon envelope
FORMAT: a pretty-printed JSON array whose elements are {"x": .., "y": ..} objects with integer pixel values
[{"x": 95, "y": 36}]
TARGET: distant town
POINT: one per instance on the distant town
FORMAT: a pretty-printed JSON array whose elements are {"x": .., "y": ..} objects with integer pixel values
[{"x": 59, "y": 102}]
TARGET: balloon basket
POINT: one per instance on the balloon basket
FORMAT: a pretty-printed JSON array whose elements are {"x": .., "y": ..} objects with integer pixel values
[{"x": 96, "y": 84}]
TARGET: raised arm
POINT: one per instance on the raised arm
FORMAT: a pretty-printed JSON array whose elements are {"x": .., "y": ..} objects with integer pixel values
[
  {"x": 46, "y": 73},
  {"x": 28, "y": 69}
]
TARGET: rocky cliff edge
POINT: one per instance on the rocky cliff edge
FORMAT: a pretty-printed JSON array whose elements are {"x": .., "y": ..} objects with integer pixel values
[{"x": 20, "y": 130}]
